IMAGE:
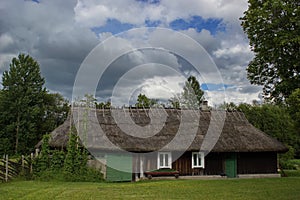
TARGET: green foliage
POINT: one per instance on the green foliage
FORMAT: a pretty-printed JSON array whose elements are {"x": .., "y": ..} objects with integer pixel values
[
  {"x": 294, "y": 107},
  {"x": 292, "y": 173},
  {"x": 61, "y": 166},
  {"x": 75, "y": 164},
  {"x": 228, "y": 106},
  {"x": 27, "y": 111},
  {"x": 288, "y": 155},
  {"x": 192, "y": 95},
  {"x": 89, "y": 175},
  {"x": 144, "y": 102},
  {"x": 22, "y": 103},
  {"x": 174, "y": 102},
  {"x": 72, "y": 163},
  {"x": 287, "y": 165},
  {"x": 56, "y": 111},
  {"x": 42, "y": 162},
  {"x": 103, "y": 105},
  {"x": 273, "y": 120},
  {"x": 273, "y": 30},
  {"x": 89, "y": 100},
  {"x": 57, "y": 160}
]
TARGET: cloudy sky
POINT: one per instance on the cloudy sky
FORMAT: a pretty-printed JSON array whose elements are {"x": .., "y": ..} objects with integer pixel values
[{"x": 63, "y": 36}]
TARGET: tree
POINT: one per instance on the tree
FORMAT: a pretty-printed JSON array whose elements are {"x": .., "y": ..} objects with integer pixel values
[
  {"x": 56, "y": 109},
  {"x": 228, "y": 106},
  {"x": 23, "y": 100},
  {"x": 175, "y": 102},
  {"x": 144, "y": 102},
  {"x": 294, "y": 110},
  {"x": 274, "y": 120},
  {"x": 89, "y": 101},
  {"x": 103, "y": 105},
  {"x": 192, "y": 95},
  {"x": 273, "y": 30},
  {"x": 294, "y": 107},
  {"x": 27, "y": 110}
]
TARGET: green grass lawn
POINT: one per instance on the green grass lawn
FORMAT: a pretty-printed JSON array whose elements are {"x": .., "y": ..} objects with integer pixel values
[{"x": 272, "y": 188}]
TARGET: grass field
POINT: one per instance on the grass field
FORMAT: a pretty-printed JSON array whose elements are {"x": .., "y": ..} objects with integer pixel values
[{"x": 273, "y": 188}]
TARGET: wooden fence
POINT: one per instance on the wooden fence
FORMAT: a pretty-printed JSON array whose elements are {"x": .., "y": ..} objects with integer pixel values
[{"x": 12, "y": 168}]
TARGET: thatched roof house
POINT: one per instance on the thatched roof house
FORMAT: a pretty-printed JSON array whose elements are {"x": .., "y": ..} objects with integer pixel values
[
  {"x": 237, "y": 135},
  {"x": 221, "y": 136}
]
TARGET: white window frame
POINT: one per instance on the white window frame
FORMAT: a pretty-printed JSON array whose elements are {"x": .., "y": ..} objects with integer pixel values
[
  {"x": 164, "y": 165},
  {"x": 197, "y": 164}
]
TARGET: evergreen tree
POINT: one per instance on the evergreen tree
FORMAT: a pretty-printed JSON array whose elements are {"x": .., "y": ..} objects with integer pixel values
[
  {"x": 192, "y": 95},
  {"x": 22, "y": 104}
]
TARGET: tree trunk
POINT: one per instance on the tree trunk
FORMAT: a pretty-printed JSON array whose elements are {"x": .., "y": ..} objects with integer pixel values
[{"x": 17, "y": 133}]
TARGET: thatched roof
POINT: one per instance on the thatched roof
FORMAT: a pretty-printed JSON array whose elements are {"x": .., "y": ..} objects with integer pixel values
[{"x": 209, "y": 130}]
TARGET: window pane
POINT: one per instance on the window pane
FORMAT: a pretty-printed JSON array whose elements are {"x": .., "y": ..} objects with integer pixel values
[
  {"x": 199, "y": 160},
  {"x": 161, "y": 160},
  {"x": 195, "y": 159},
  {"x": 166, "y": 160}
]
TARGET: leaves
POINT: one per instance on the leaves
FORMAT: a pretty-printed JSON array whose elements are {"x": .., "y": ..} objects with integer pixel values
[
  {"x": 192, "y": 94},
  {"x": 273, "y": 29},
  {"x": 275, "y": 121},
  {"x": 27, "y": 110},
  {"x": 144, "y": 102}
]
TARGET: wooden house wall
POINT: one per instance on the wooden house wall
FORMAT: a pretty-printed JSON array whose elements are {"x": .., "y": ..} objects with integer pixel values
[
  {"x": 214, "y": 164},
  {"x": 184, "y": 165},
  {"x": 257, "y": 163},
  {"x": 247, "y": 163}
]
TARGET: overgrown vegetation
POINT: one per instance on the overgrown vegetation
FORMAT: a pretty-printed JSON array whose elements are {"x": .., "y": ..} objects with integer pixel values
[{"x": 64, "y": 166}]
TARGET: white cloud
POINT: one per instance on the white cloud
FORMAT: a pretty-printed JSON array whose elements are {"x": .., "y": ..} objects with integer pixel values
[
  {"x": 5, "y": 60},
  {"x": 93, "y": 13},
  {"x": 57, "y": 34},
  {"x": 231, "y": 51},
  {"x": 5, "y": 41},
  {"x": 216, "y": 98}
]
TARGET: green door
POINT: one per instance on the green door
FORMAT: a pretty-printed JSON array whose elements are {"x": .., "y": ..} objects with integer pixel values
[
  {"x": 119, "y": 167},
  {"x": 230, "y": 165}
]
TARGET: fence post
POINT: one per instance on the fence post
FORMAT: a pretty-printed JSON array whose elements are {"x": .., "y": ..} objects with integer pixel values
[
  {"x": 6, "y": 169},
  {"x": 23, "y": 162},
  {"x": 3, "y": 163},
  {"x": 31, "y": 158}
]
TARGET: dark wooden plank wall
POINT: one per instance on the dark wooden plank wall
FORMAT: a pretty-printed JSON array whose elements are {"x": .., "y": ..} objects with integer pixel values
[
  {"x": 214, "y": 164},
  {"x": 184, "y": 165},
  {"x": 257, "y": 163},
  {"x": 247, "y": 163}
]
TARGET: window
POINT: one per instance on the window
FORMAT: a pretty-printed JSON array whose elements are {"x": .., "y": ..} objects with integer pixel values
[
  {"x": 164, "y": 160},
  {"x": 197, "y": 159}
]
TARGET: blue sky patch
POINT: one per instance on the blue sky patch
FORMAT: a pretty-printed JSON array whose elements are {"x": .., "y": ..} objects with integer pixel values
[
  {"x": 198, "y": 23},
  {"x": 214, "y": 87},
  {"x": 149, "y": 23},
  {"x": 113, "y": 26},
  {"x": 149, "y": 1}
]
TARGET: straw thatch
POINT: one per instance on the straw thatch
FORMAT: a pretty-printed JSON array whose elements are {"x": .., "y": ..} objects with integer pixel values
[{"x": 145, "y": 130}]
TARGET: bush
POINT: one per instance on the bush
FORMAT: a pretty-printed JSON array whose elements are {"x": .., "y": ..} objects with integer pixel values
[
  {"x": 57, "y": 160},
  {"x": 88, "y": 175},
  {"x": 292, "y": 164},
  {"x": 292, "y": 173}
]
